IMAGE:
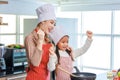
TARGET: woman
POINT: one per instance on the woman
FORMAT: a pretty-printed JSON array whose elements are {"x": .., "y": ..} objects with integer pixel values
[{"x": 37, "y": 44}]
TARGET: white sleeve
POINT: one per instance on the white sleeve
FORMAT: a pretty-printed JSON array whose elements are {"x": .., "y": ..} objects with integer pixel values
[
  {"x": 80, "y": 51},
  {"x": 52, "y": 62}
]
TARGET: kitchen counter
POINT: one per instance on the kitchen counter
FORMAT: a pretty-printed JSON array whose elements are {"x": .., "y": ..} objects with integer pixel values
[{"x": 8, "y": 74}]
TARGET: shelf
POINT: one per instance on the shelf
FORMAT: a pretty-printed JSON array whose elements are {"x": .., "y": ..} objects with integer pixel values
[{"x": 3, "y": 24}]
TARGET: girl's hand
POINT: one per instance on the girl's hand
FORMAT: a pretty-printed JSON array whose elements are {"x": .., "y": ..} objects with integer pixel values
[
  {"x": 52, "y": 50},
  {"x": 69, "y": 49},
  {"x": 89, "y": 34}
]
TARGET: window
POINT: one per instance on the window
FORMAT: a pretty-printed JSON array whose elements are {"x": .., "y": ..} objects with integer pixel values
[
  {"x": 25, "y": 26},
  {"x": 13, "y": 33},
  {"x": 105, "y": 48},
  {"x": 99, "y": 22},
  {"x": 8, "y": 32},
  {"x": 104, "y": 52},
  {"x": 116, "y": 40},
  {"x": 116, "y": 22}
]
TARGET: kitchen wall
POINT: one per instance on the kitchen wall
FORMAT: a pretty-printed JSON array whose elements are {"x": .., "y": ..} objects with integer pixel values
[
  {"x": 27, "y": 7},
  {"x": 82, "y": 5},
  {"x": 19, "y": 7}
]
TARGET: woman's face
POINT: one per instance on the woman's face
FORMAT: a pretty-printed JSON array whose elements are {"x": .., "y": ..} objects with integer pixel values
[
  {"x": 48, "y": 25},
  {"x": 63, "y": 43}
]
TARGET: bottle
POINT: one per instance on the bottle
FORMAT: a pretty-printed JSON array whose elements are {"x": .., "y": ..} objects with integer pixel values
[
  {"x": 114, "y": 74},
  {"x": 110, "y": 75}
]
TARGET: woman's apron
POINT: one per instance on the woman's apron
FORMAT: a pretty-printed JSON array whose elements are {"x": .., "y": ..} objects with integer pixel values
[{"x": 41, "y": 72}]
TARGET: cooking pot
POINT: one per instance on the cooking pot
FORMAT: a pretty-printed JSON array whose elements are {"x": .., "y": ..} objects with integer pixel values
[{"x": 82, "y": 75}]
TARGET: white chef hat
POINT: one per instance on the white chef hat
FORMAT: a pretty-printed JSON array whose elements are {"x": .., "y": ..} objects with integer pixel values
[
  {"x": 45, "y": 12},
  {"x": 57, "y": 33}
]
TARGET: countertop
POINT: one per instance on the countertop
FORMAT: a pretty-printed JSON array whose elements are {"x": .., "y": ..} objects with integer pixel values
[
  {"x": 101, "y": 76},
  {"x": 6, "y": 74}
]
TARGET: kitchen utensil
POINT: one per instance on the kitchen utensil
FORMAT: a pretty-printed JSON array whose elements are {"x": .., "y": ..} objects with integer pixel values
[
  {"x": 83, "y": 75},
  {"x": 80, "y": 75}
]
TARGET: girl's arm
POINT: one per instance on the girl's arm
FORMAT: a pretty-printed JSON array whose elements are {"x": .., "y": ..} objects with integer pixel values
[
  {"x": 80, "y": 51},
  {"x": 52, "y": 60}
]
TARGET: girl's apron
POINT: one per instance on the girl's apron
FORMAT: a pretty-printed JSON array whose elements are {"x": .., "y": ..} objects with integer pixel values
[
  {"x": 66, "y": 64},
  {"x": 41, "y": 72}
]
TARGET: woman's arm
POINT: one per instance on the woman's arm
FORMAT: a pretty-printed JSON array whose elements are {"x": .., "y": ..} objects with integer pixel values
[{"x": 33, "y": 50}]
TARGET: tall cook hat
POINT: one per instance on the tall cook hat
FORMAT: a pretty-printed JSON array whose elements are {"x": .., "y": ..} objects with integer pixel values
[
  {"x": 45, "y": 12},
  {"x": 56, "y": 34}
]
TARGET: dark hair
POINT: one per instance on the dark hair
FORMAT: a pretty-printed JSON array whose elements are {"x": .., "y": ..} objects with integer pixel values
[{"x": 58, "y": 55}]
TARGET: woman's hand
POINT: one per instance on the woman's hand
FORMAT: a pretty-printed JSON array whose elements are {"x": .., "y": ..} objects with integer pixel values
[
  {"x": 41, "y": 35},
  {"x": 89, "y": 34}
]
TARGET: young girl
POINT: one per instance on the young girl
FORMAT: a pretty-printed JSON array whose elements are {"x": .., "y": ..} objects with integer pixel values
[{"x": 63, "y": 56}]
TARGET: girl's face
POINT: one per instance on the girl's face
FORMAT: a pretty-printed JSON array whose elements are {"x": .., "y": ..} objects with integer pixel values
[
  {"x": 48, "y": 25},
  {"x": 63, "y": 43}
]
